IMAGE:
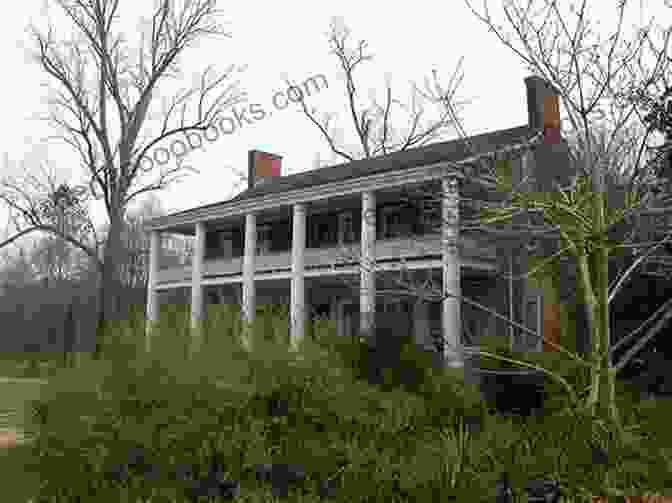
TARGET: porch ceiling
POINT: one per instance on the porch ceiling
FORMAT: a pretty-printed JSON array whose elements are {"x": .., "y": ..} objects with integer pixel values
[{"x": 351, "y": 201}]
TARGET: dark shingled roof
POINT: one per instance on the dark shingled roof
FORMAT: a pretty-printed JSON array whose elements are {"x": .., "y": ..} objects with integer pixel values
[{"x": 453, "y": 150}]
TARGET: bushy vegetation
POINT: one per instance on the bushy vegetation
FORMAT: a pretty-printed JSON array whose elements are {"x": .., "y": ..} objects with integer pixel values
[{"x": 337, "y": 421}]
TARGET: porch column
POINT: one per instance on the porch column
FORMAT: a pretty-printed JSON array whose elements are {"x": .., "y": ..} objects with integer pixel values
[
  {"x": 249, "y": 300},
  {"x": 452, "y": 323},
  {"x": 367, "y": 288},
  {"x": 152, "y": 280},
  {"x": 298, "y": 287},
  {"x": 197, "y": 284}
]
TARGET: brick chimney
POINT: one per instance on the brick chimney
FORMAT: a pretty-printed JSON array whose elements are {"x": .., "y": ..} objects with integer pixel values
[
  {"x": 543, "y": 108},
  {"x": 261, "y": 167},
  {"x": 551, "y": 165},
  {"x": 551, "y": 157}
]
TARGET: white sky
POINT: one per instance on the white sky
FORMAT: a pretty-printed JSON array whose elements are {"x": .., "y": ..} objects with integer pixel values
[{"x": 275, "y": 39}]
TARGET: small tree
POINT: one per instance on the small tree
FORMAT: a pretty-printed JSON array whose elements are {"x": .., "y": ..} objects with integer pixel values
[
  {"x": 589, "y": 75},
  {"x": 594, "y": 80}
]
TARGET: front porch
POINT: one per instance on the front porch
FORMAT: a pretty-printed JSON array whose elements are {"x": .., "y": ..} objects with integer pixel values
[
  {"x": 332, "y": 260},
  {"x": 397, "y": 309},
  {"x": 273, "y": 257}
]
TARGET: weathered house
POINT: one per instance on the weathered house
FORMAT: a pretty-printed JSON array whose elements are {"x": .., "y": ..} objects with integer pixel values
[{"x": 293, "y": 239}]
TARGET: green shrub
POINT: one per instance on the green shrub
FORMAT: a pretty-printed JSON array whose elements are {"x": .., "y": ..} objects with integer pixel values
[
  {"x": 447, "y": 395},
  {"x": 556, "y": 396},
  {"x": 175, "y": 409},
  {"x": 498, "y": 345},
  {"x": 402, "y": 439}
]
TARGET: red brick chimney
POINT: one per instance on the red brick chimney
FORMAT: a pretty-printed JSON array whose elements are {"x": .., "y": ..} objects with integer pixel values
[
  {"x": 543, "y": 108},
  {"x": 262, "y": 166},
  {"x": 551, "y": 166}
]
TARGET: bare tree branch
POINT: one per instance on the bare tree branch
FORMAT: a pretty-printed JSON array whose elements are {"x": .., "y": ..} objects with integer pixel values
[
  {"x": 373, "y": 124},
  {"x": 99, "y": 84}
]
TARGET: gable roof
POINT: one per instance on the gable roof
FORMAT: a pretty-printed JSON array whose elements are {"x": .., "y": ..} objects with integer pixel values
[{"x": 453, "y": 150}]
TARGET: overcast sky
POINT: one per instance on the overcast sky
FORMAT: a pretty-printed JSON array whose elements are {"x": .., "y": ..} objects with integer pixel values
[{"x": 275, "y": 40}]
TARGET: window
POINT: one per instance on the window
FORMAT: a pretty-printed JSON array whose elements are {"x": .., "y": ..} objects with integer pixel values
[
  {"x": 263, "y": 239},
  {"x": 386, "y": 221},
  {"x": 346, "y": 227},
  {"x": 226, "y": 244},
  {"x": 430, "y": 216},
  {"x": 534, "y": 318},
  {"x": 324, "y": 230},
  {"x": 391, "y": 222},
  {"x": 219, "y": 244}
]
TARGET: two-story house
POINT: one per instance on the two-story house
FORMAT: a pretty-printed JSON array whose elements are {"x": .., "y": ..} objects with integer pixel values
[{"x": 333, "y": 240}]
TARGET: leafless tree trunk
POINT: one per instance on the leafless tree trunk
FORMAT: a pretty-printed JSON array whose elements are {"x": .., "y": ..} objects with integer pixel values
[
  {"x": 123, "y": 90},
  {"x": 590, "y": 76},
  {"x": 134, "y": 255}
]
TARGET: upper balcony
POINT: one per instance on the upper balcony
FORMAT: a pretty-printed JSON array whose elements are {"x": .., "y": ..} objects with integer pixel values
[
  {"x": 406, "y": 231},
  {"x": 338, "y": 257}
]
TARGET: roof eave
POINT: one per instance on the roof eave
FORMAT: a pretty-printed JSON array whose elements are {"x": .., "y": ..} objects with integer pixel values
[{"x": 163, "y": 223}]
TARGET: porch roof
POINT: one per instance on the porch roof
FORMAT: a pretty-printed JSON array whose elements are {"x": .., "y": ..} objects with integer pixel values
[{"x": 452, "y": 151}]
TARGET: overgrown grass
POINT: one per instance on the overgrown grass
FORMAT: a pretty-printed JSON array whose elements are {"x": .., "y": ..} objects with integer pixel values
[{"x": 408, "y": 433}]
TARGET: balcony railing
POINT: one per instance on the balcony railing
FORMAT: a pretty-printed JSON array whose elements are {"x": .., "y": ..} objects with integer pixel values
[{"x": 399, "y": 248}]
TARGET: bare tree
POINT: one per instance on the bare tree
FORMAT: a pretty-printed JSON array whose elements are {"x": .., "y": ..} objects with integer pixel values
[
  {"x": 99, "y": 81},
  {"x": 136, "y": 247},
  {"x": 134, "y": 255},
  {"x": 41, "y": 204},
  {"x": 380, "y": 128},
  {"x": 593, "y": 77},
  {"x": 17, "y": 272},
  {"x": 655, "y": 112},
  {"x": 66, "y": 210},
  {"x": 595, "y": 80},
  {"x": 633, "y": 166}
]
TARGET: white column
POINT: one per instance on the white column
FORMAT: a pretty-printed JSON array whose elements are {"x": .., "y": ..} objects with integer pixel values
[
  {"x": 298, "y": 287},
  {"x": 249, "y": 298},
  {"x": 152, "y": 280},
  {"x": 367, "y": 297},
  {"x": 197, "y": 284},
  {"x": 452, "y": 323}
]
